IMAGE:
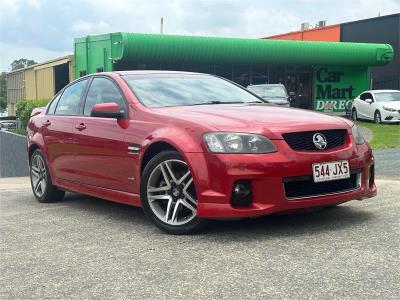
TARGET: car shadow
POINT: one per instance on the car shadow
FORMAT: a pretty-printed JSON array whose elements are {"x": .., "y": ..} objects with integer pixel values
[
  {"x": 324, "y": 220},
  {"x": 291, "y": 225}
]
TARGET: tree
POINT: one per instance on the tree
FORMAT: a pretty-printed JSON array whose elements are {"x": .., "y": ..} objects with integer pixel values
[
  {"x": 3, "y": 91},
  {"x": 21, "y": 63}
]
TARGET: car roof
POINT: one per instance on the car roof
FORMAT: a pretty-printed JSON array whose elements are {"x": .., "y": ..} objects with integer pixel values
[
  {"x": 147, "y": 72},
  {"x": 380, "y": 91}
]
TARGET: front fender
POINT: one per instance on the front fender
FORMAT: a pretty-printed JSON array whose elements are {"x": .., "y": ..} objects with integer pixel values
[{"x": 185, "y": 140}]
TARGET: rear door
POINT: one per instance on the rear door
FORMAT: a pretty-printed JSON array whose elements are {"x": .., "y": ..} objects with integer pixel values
[
  {"x": 57, "y": 129},
  {"x": 102, "y": 151}
]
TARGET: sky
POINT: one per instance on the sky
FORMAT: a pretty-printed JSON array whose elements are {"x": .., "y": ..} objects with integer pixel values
[{"x": 45, "y": 29}]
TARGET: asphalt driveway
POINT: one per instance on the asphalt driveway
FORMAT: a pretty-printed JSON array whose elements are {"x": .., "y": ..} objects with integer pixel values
[{"x": 89, "y": 248}]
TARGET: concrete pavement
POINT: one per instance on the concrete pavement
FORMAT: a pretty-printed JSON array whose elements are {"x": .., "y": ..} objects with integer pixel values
[{"x": 84, "y": 247}]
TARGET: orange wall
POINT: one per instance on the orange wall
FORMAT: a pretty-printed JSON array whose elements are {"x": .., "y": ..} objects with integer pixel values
[{"x": 325, "y": 34}]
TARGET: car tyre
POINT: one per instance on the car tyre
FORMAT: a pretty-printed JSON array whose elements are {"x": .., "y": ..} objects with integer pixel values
[
  {"x": 377, "y": 117},
  {"x": 168, "y": 194},
  {"x": 354, "y": 114},
  {"x": 42, "y": 186}
]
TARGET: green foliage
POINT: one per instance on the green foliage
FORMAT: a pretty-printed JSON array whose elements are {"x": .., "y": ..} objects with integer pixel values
[
  {"x": 3, "y": 91},
  {"x": 21, "y": 131},
  {"x": 24, "y": 109},
  {"x": 21, "y": 63}
]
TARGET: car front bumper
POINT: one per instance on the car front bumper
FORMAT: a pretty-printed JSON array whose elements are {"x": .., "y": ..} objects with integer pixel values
[
  {"x": 215, "y": 175},
  {"x": 390, "y": 116}
]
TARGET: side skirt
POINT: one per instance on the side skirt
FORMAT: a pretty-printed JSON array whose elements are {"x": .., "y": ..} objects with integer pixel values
[{"x": 100, "y": 192}]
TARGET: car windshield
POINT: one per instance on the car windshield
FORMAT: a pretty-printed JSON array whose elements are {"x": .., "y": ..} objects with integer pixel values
[
  {"x": 158, "y": 90},
  {"x": 387, "y": 96},
  {"x": 276, "y": 91}
]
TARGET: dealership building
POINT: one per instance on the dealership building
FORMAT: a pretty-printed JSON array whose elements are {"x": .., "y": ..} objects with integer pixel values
[
  {"x": 325, "y": 75},
  {"x": 384, "y": 29}
]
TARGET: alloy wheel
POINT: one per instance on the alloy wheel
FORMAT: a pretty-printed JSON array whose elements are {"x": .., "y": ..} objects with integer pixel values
[
  {"x": 354, "y": 115},
  {"x": 171, "y": 194},
  {"x": 378, "y": 118},
  {"x": 38, "y": 176}
]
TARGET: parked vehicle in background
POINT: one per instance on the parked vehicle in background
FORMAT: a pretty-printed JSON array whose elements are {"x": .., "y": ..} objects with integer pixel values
[
  {"x": 8, "y": 124},
  {"x": 381, "y": 106},
  {"x": 272, "y": 93},
  {"x": 188, "y": 147}
]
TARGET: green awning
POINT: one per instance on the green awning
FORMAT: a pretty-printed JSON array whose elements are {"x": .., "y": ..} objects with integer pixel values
[{"x": 135, "y": 47}]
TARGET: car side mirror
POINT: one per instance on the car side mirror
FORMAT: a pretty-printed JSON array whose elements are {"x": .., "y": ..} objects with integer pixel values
[
  {"x": 107, "y": 110},
  {"x": 368, "y": 100},
  {"x": 292, "y": 96}
]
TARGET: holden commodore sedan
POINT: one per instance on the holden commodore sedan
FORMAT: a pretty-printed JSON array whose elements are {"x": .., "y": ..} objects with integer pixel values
[{"x": 191, "y": 147}]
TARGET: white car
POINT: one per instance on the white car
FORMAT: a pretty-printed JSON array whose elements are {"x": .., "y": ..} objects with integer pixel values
[{"x": 382, "y": 106}]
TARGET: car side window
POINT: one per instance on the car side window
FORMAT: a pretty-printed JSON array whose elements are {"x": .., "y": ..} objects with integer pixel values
[
  {"x": 70, "y": 99},
  {"x": 53, "y": 104},
  {"x": 362, "y": 96},
  {"x": 102, "y": 90},
  {"x": 369, "y": 96}
]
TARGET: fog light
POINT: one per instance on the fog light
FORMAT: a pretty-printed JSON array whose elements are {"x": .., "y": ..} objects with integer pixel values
[{"x": 241, "y": 193}]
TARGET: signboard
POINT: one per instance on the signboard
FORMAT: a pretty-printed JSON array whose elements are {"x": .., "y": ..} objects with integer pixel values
[{"x": 334, "y": 87}]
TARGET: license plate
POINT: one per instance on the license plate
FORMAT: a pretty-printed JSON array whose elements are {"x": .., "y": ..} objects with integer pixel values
[{"x": 331, "y": 171}]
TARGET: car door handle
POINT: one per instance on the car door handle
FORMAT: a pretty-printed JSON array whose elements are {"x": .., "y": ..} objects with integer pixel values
[
  {"x": 80, "y": 127},
  {"x": 47, "y": 123}
]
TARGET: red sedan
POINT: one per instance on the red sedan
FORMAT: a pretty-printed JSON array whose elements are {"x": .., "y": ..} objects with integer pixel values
[{"x": 189, "y": 147}]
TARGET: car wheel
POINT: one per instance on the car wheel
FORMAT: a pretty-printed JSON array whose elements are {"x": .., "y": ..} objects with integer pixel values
[
  {"x": 168, "y": 194},
  {"x": 354, "y": 114},
  {"x": 42, "y": 187},
  {"x": 377, "y": 117}
]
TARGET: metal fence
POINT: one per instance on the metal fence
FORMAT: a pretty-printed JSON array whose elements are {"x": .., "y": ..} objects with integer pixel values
[{"x": 13, "y": 155}]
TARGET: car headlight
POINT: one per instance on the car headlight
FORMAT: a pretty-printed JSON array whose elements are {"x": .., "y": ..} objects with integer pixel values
[
  {"x": 388, "y": 109},
  {"x": 231, "y": 142},
  {"x": 358, "y": 137}
]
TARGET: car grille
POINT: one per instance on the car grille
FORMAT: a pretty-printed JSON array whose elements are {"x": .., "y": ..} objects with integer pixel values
[
  {"x": 304, "y": 186},
  {"x": 304, "y": 140}
]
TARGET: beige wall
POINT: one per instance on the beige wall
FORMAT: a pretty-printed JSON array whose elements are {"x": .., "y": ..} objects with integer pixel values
[
  {"x": 45, "y": 83},
  {"x": 30, "y": 84},
  {"x": 15, "y": 86},
  {"x": 35, "y": 82},
  {"x": 11, "y": 109}
]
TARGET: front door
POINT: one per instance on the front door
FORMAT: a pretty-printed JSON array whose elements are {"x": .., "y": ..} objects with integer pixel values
[
  {"x": 300, "y": 84},
  {"x": 102, "y": 152},
  {"x": 364, "y": 108}
]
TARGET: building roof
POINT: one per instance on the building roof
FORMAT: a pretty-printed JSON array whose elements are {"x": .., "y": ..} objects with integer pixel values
[
  {"x": 47, "y": 63},
  {"x": 315, "y": 29},
  {"x": 136, "y": 47}
]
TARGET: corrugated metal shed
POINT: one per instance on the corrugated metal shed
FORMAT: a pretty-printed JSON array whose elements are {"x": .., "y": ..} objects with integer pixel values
[
  {"x": 40, "y": 78},
  {"x": 15, "y": 86},
  {"x": 38, "y": 81}
]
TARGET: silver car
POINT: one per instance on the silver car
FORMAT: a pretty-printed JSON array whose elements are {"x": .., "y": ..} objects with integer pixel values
[{"x": 272, "y": 93}]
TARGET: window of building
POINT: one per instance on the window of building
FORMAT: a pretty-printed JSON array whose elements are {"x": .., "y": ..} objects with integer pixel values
[
  {"x": 224, "y": 71},
  {"x": 241, "y": 74},
  {"x": 259, "y": 74}
]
